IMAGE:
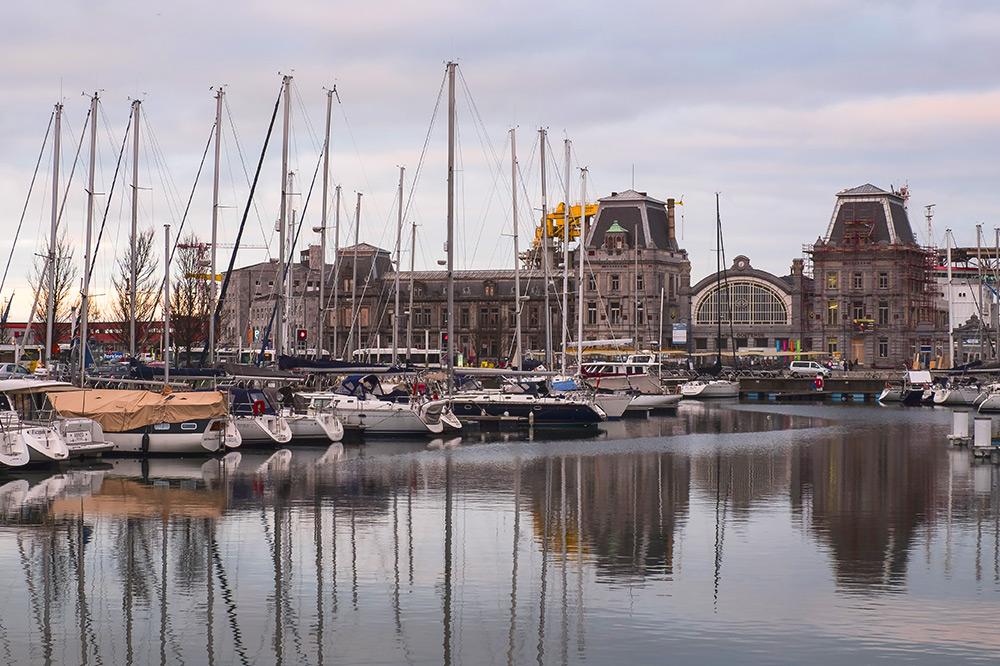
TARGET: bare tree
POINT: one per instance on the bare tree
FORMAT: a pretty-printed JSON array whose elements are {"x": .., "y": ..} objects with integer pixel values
[
  {"x": 147, "y": 294},
  {"x": 189, "y": 297},
  {"x": 65, "y": 276}
]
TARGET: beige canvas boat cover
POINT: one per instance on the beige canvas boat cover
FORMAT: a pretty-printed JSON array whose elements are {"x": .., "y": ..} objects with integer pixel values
[{"x": 121, "y": 410}]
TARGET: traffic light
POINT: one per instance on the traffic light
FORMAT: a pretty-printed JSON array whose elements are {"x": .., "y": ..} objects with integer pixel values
[{"x": 302, "y": 335}]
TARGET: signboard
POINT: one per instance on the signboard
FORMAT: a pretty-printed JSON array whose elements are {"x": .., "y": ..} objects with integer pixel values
[{"x": 680, "y": 335}]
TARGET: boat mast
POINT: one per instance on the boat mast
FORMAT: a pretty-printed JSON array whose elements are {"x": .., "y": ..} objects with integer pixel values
[
  {"x": 409, "y": 316},
  {"x": 166, "y": 304},
  {"x": 451, "y": 227},
  {"x": 336, "y": 268},
  {"x": 133, "y": 260},
  {"x": 718, "y": 293},
  {"x": 951, "y": 296},
  {"x": 543, "y": 139},
  {"x": 50, "y": 301},
  {"x": 399, "y": 243},
  {"x": 215, "y": 226},
  {"x": 580, "y": 250},
  {"x": 354, "y": 283},
  {"x": 517, "y": 260},
  {"x": 635, "y": 291},
  {"x": 323, "y": 227},
  {"x": 565, "y": 289},
  {"x": 286, "y": 84},
  {"x": 85, "y": 296}
]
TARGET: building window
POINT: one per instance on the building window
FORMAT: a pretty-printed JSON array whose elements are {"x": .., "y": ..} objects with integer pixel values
[
  {"x": 533, "y": 316},
  {"x": 464, "y": 318},
  {"x": 859, "y": 311},
  {"x": 615, "y": 283},
  {"x": 591, "y": 313},
  {"x": 883, "y": 280},
  {"x": 640, "y": 313},
  {"x": 858, "y": 281},
  {"x": 591, "y": 283},
  {"x": 701, "y": 343},
  {"x": 883, "y": 348},
  {"x": 494, "y": 317},
  {"x": 831, "y": 346},
  {"x": 831, "y": 280},
  {"x": 615, "y": 313},
  {"x": 511, "y": 317},
  {"x": 761, "y": 342},
  {"x": 883, "y": 313},
  {"x": 484, "y": 317},
  {"x": 489, "y": 289},
  {"x": 640, "y": 283},
  {"x": 742, "y": 302},
  {"x": 832, "y": 314},
  {"x": 741, "y": 343}
]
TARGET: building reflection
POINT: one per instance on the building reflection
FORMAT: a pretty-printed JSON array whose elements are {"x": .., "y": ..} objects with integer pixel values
[
  {"x": 624, "y": 510},
  {"x": 867, "y": 496}
]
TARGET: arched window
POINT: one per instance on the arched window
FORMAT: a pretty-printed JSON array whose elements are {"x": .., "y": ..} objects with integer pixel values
[{"x": 742, "y": 302}]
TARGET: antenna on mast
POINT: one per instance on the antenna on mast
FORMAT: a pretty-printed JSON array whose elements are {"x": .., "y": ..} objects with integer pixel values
[{"x": 929, "y": 213}]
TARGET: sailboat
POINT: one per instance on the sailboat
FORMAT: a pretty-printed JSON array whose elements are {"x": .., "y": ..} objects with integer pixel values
[
  {"x": 530, "y": 403},
  {"x": 711, "y": 386}
]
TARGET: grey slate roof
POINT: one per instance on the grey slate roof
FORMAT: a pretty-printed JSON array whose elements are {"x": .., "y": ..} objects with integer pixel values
[
  {"x": 642, "y": 217},
  {"x": 871, "y": 212}
]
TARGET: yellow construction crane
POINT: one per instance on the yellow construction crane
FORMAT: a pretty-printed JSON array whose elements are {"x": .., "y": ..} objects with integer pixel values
[{"x": 557, "y": 219}]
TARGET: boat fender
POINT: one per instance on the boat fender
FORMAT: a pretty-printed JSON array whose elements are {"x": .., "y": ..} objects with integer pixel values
[
  {"x": 258, "y": 407},
  {"x": 144, "y": 446},
  {"x": 818, "y": 382}
]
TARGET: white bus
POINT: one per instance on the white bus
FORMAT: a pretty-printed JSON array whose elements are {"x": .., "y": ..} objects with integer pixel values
[{"x": 427, "y": 358}]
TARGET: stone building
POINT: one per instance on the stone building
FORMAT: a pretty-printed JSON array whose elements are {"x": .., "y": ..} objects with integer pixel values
[
  {"x": 633, "y": 266},
  {"x": 875, "y": 299},
  {"x": 744, "y": 307}
]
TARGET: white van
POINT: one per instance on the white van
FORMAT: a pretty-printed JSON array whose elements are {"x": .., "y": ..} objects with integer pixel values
[{"x": 807, "y": 369}]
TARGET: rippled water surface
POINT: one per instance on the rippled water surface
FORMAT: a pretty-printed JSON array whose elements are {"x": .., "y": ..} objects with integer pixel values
[{"x": 728, "y": 533}]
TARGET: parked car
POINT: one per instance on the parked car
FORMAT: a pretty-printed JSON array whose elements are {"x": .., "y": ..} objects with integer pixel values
[
  {"x": 807, "y": 369},
  {"x": 8, "y": 370}
]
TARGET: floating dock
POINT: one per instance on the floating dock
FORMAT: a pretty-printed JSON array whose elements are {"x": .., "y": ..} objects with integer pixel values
[{"x": 834, "y": 389}]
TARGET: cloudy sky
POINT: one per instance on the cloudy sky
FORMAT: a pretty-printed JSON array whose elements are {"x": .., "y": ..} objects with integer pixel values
[{"x": 775, "y": 104}]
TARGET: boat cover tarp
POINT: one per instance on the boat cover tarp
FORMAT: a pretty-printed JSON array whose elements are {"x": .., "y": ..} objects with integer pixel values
[
  {"x": 240, "y": 370},
  {"x": 119, "y": 410},
  {"x": 140, "y": 370}
]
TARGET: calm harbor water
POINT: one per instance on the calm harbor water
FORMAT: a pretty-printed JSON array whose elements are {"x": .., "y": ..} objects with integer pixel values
[{"x": 749, "y": 533}]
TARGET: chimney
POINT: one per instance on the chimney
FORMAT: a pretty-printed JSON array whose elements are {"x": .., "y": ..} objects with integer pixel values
[{"x": 670, "y": 219}]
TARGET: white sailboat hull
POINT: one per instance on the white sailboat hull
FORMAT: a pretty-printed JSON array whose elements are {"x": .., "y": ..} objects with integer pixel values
[
  {"x": 209, "y": 437},
  {"x": 715, "y": 388},
  {"x": 651, "y": 401},
  {"x": 263, "y": 429}
]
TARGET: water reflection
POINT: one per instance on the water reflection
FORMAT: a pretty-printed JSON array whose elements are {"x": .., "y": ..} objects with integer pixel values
[{"x": 731, "y": 523}]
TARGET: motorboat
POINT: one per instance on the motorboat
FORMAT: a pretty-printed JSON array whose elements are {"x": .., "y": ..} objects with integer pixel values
[
  {"x": 256, "y": 419},
  {"x": 148, "y": 422},
  {"x": 623, "y": 366}
]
